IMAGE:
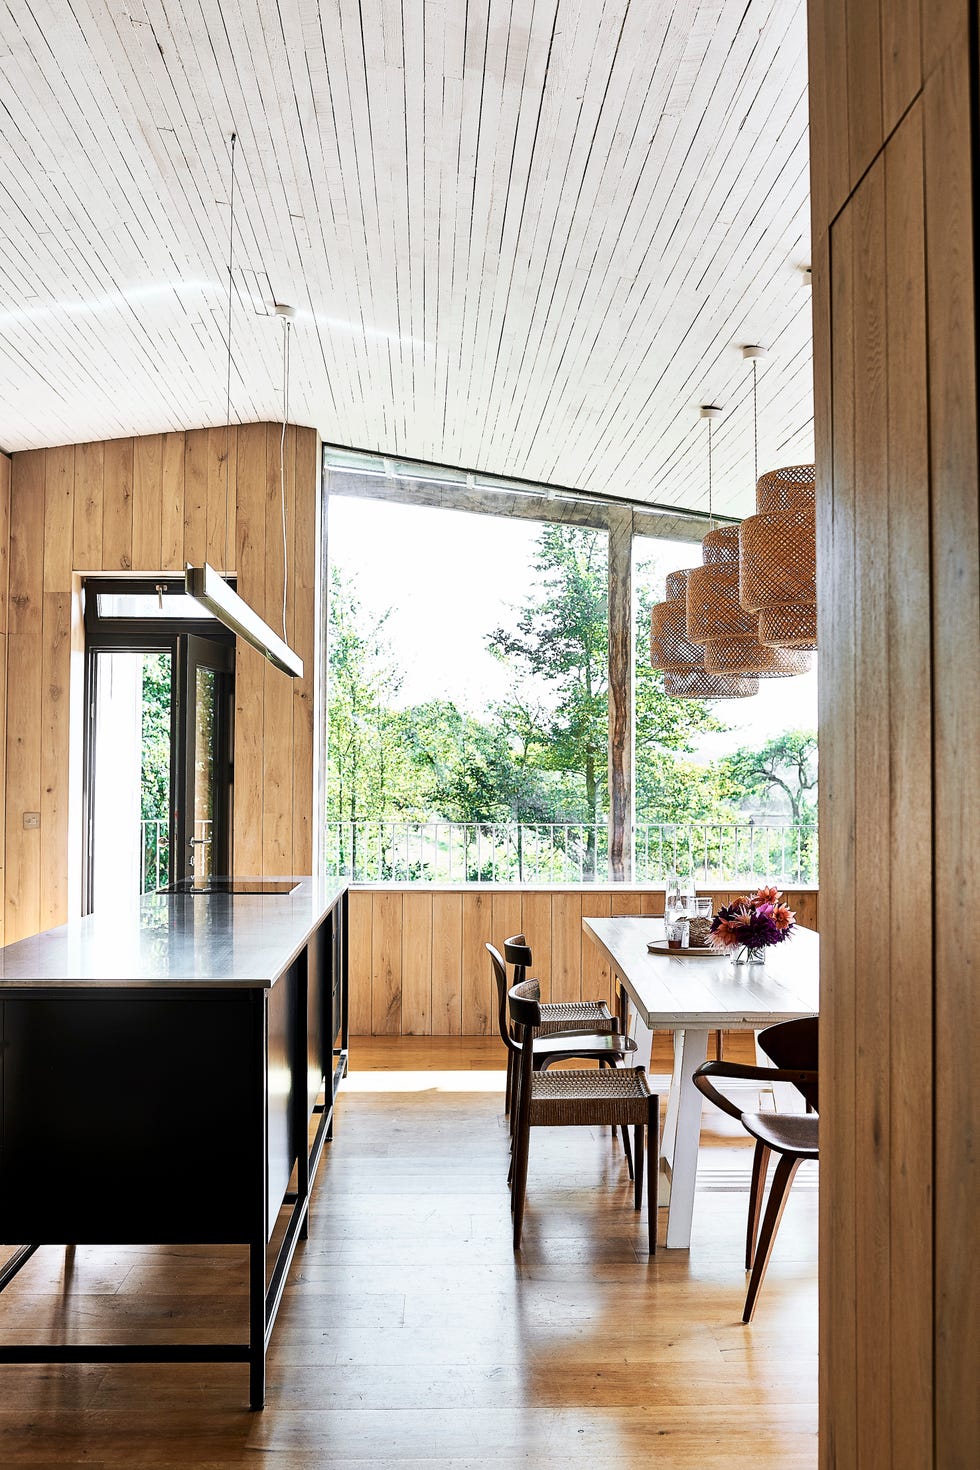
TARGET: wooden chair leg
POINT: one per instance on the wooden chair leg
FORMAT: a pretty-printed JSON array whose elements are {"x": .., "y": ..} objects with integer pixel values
[
  {"x": 653, "y": 1170},
  {"x": 519, "y": 1189},
  {"x": 760, "y": 1164},
  {"x": 783, "y": 1177},
  {"x": 509, "y": 1085},
  {"x": 638, "y": 1165},
  {"x": 627, "y": 1150}
]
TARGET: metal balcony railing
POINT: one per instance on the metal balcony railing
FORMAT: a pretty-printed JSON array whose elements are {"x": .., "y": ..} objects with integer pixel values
[{"x": 566, "y": 852}]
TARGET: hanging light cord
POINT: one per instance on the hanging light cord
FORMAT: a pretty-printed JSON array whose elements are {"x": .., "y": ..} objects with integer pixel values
[
  {"x": 711, "y": 516},
  {"x": 231, "y": 257},
  {"x": 282, "y": 463},
  {"x": 755, "y": 416}
]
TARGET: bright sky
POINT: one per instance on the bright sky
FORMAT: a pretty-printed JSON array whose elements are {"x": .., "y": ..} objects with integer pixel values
[{"x": 452, "y": 578}]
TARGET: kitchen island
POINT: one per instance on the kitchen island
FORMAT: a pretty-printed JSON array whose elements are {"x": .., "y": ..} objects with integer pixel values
[{"x": 168, "y": 1074}]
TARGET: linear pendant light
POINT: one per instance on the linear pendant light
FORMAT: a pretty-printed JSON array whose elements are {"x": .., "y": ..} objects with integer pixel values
[{"x": 209, "y": 587}]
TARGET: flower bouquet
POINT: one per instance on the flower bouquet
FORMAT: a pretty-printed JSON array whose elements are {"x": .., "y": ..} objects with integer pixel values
[{"x": 747, "y": 928}]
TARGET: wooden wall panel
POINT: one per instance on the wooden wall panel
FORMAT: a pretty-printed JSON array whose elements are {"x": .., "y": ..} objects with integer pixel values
[
  {"x": 895, "y": 355},
  {"x": 421, "y": 967},
  {"x": 145, "y": 504},
  {"x": 4, "y": 555},
  {"x": 952, "y": 250}
]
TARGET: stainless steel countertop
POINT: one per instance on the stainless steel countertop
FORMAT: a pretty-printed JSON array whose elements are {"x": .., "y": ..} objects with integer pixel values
[{"x": 202, "y": 940}]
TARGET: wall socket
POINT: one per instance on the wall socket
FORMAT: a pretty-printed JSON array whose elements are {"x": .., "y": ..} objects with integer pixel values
[{"x": 32, "y": 819}]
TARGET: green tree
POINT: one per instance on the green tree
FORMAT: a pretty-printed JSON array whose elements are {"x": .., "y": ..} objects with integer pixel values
[{"x": 786, "y": 764}]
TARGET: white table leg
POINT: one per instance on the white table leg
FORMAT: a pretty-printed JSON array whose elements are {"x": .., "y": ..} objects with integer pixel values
[{"x": 684, "y": 1124}]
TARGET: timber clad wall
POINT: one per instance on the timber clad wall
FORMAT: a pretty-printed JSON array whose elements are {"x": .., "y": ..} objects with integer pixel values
[
  {"x": 892, "y": 93},
  {"x": 418, "y": 966},
  {"x": 152, "y": 504}
]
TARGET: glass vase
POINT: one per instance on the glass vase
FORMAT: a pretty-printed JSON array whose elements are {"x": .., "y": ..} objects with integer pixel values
[{"x": 749, "y": 955}]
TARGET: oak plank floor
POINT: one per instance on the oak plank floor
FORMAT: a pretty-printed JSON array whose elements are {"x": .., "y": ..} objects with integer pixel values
[{"x": 411, "y": 1336}]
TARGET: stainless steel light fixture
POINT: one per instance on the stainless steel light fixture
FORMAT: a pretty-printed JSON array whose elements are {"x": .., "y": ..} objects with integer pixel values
[
  {"x": 204, "y": 584},
  {"x": 211, "y": 590}
]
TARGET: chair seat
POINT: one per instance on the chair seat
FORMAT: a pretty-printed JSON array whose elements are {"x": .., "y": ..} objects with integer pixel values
[
  {"x": 558, "y": 1015},
  {"x": 578, "y": 1043},
  {"x": 573, "y": 1098},
  {"x": 786, "y": 1133}
]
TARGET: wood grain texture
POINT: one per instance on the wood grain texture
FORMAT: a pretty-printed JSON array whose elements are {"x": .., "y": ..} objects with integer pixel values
[
  {"x": 451, "y": 927},
  {"x": 622, "y": 812},
  {"x": 910, "y": 853},
  {"x": 952, "y": 191},
  {"x": 895, "y": 351},
  {"x": 102, "y": 507}
]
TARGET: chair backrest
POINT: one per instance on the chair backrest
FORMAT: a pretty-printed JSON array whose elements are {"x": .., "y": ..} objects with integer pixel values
[
  {"x": 500, "y": 979},
  {"x": 525, "y": 1004},
  {"x": 517, "y": 952},
  {"x": 794, "y": 1044}
]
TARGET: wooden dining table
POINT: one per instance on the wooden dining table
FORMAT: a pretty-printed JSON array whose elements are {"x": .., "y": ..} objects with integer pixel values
[{"x": 692, "y": 996}]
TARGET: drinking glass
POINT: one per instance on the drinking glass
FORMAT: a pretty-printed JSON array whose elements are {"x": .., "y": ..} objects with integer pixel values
[{"x": 677, "y": 931}]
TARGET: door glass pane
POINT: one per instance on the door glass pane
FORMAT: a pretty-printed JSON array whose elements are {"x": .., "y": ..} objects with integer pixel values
[
  {"x": 131, "y": 799},
  {"x": 204, "y": 772}
]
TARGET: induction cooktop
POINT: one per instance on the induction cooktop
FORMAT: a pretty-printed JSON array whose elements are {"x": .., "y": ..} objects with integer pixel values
[{"x": 204, "y": 886}]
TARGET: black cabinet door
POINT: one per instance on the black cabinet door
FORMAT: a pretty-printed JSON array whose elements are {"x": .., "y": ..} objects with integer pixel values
[{"x": 122, "y": 1118}]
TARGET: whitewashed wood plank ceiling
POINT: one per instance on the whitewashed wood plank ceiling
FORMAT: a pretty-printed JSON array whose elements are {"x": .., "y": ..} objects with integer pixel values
[{"x": 525, "y": 237}]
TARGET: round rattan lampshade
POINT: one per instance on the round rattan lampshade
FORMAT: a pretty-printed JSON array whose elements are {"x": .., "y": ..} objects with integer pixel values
[
  {"x": 717, "y": 621},
  {"x": 680, "y": 660},
  {"x": 778, "y": 559},
  {"x": 701, "y": 685}
]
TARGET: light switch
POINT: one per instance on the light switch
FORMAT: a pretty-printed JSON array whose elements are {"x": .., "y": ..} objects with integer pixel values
[{"x": 32, "y": 819}]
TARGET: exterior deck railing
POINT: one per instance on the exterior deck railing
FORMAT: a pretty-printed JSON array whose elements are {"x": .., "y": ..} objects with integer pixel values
[
  {"x": 155, "y": 850},
  {"x": 567, "y": 852}
]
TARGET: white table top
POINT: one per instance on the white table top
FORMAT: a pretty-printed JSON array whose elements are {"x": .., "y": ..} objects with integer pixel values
[{"x": 670, "y": 992}]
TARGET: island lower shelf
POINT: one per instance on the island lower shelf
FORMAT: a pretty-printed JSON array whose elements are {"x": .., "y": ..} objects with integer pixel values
[{"x": 172, "y": 1114}]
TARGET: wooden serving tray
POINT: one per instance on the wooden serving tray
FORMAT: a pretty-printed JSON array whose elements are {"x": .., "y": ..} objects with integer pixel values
[{"x": 708, "y": 952}]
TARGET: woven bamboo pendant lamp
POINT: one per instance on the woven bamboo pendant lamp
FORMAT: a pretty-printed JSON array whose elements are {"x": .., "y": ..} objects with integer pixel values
[
  {"x": 778, "y": 558},
  {"x": 715, "y": 617},
  {"x": 717, "y": 620},
  {"x": 682, "y": 662}
]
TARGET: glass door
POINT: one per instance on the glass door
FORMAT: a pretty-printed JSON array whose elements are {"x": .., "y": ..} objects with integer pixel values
[{"x": 203, "y": 809}]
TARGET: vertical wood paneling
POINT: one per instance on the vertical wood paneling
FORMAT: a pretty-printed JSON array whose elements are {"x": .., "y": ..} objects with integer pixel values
[
  {"x": 277, "y": 764},
  {"x": 87, "y": 531},
  {"x": 4, "y": 536},
  {"x": 4, "y": 555},
  {"x": 566, "y": 947},
  {"x": 148, "y": 503},
  {"x": 597, "y": 980},
  {"x": 117, "y": 505},
  {"x": 871, "y": 819},
  {"x": 898, "y": 556},
  {"x": 220, "y": 513},
  {"x": 536, "y": 922},
  {"x": 22, "y": 884},
  {"x": 910, "y": 853},
  {"x": 830, "y": 170},
  {"x": 836, "y": 511},
  {"x": 507, "y": 917},
  {"x": 59, "y": 502},
  {"x": 195, "y": 498},
  {"x": 305, "y": 527},
  {"x": 479, "y": 994},
  {"x": 416, "y": 1018},
  {"x": 172, "y": 503},
  {"x": 96, "y": 507},
  {"x": 360, "y": 950},
  {"x": 386, "y": 964},
  {"x": 952, "y": 190},
  {"x": 447, "y": 964}
]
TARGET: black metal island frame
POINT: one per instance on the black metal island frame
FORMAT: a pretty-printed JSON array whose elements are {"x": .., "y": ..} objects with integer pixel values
[{"x": 168, "y": 1076}]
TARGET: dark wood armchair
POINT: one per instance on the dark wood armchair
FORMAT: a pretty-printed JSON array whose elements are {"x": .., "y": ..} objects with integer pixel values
[{"x": 792, "y": 1045}]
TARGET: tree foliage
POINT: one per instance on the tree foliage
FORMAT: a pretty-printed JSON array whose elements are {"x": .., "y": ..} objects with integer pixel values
[{"x": 785, "y": 766}]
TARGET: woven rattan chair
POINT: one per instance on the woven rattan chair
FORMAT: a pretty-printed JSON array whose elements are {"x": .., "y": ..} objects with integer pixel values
[
  {"x": 792, "y": 1045},
  {"x": 613, "y": 1096},
  {"x": 556, "y": 1016}
]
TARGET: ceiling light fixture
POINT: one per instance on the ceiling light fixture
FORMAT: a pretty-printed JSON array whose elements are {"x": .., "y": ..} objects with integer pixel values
[
  {"x": 777, "y": 562},
  {"x": 671, "y": 651},
  {"x": 203, "y": 583},
  {"x": 715, "y": 617}
]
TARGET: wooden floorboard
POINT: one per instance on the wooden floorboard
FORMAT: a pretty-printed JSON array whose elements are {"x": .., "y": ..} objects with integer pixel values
[{"x": 411, "y": 1335}]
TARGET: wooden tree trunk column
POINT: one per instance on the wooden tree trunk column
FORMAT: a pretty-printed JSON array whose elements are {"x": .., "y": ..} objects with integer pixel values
[{"x": 621, "y": 678}]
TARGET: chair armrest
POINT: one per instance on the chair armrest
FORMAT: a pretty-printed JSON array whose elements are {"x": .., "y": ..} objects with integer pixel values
[{"x": 736, "y": 1070}]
